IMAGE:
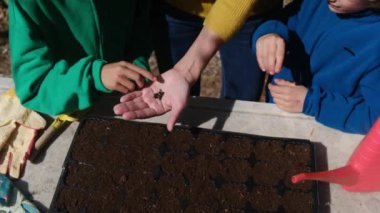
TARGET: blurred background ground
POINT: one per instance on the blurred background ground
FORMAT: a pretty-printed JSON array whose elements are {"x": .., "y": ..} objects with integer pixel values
[
  {"x": 4, "y": 46},
  {"x": 211, "y": 81}
]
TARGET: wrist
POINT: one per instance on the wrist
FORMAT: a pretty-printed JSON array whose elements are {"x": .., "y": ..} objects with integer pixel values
[
  {"x": 198, "y": 56},
  {"x": 189, "y": 71},
  {"x": 97, "y": 71}
]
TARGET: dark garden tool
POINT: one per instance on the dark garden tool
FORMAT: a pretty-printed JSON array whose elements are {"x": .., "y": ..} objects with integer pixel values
[
  {"x": 362, "y": 172},
  {"x": 53, "y": 129}
]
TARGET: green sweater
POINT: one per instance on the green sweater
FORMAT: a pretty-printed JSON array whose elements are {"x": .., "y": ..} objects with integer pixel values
[{"x": 58, "y": 48}]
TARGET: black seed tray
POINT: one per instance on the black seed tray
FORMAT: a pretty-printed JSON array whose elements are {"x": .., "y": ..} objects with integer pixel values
[{"x": 122, "y": 166}]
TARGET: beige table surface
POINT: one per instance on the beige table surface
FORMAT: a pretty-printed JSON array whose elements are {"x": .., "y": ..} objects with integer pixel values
[{"x": 40, "y": 179}]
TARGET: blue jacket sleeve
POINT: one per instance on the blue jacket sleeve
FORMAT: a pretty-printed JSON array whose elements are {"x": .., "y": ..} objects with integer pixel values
[{"x": 354, "y": 114}]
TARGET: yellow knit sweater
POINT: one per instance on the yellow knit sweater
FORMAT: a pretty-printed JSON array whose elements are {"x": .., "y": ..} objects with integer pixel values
[{"x": 225, "y": 17}]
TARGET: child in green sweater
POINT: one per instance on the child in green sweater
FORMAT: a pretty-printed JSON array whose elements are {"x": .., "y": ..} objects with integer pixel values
[{"x": 66, "y": 54}]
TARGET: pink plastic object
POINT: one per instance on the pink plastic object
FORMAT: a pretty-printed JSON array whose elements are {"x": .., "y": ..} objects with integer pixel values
[{"x": 362, "y": 172}]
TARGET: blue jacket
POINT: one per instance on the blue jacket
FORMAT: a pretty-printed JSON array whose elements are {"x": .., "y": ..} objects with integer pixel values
[{"x": 337, "y": 57}]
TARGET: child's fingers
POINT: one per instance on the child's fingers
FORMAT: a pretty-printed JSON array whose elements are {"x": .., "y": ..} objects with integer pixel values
[
  {"x": 281, "y": 102},
  {"x": 139, "y": 70},
  {"x": 275, "y": 89},
  {"x": 280, "y": 53},
  {"x": 130, "y": 75},
  {"x": 271, "y": 58},
  {"x": 127, "y": 83},
  {"x": 279, "y": 96},
  {"x": 283, "y": 107},
  {"x": 266, "y": 51},
  {"x": 260, "y": 56},
  {"x": 120, "y": 88},
  {"x": 282, "y": 82},
  {"x": 288, "y": 107},
  {"x": 260, "y": 60}
]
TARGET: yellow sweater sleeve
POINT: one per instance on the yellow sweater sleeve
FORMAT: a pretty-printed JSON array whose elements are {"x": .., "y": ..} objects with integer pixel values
[{"x": 227, "y": 16}]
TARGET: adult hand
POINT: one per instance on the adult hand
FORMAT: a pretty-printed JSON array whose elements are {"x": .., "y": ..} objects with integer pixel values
[
  {"x": 270, "y": 51},
  {"x": 287, "y": 95},
  {"x": 123, "y": 76},
  {"x": 169, "y": 94}
]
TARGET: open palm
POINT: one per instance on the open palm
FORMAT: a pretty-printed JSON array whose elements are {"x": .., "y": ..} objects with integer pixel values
[{"x": 144, "y": 104}]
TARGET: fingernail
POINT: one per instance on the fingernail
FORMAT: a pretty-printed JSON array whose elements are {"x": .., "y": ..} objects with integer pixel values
[
  {"x": 116, "y": 110},
  {"x": 122, "y": 99}
]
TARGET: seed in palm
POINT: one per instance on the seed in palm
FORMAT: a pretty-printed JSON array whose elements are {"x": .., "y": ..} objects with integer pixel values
[{"x": 159, "y": 94}]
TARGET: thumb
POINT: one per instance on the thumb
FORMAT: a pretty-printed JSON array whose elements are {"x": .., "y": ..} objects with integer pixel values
[
  {"x": 282, "y": 82},
  {"x": 20, "y": 149}
]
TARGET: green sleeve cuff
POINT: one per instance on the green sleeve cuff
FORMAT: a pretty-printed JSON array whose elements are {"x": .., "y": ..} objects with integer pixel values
[
  {"x": 142, "y": 62},
  {"x": 97, "y": 66}
]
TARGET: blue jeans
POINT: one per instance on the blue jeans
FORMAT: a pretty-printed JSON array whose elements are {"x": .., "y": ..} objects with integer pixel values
[{"x": 241, "y": 78}]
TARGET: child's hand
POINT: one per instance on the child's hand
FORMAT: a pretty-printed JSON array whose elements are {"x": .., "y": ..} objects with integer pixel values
[
  {"x": 270, "y": 51},
  {"x": 124, "y": 76},
  {"x": 287, "y": 95}
]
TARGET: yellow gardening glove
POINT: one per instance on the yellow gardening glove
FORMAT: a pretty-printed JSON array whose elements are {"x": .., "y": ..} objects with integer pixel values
[{"x": 18, "y": 131}]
